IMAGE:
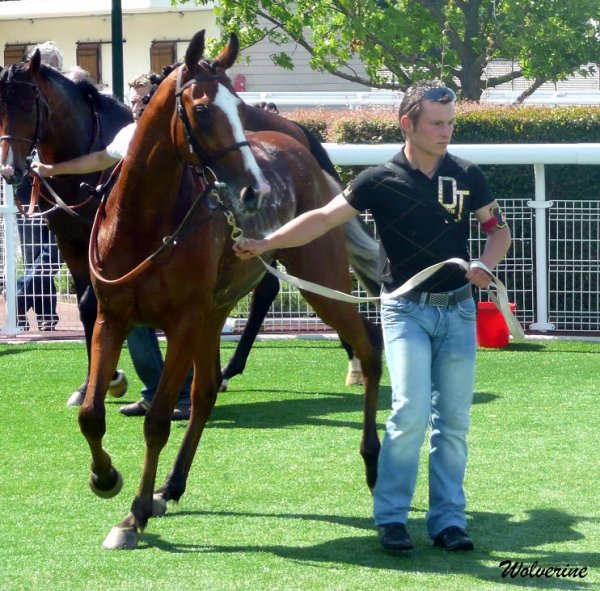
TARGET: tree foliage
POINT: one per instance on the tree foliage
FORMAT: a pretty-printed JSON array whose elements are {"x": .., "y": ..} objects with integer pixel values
[{"x": 401, "y": 41}]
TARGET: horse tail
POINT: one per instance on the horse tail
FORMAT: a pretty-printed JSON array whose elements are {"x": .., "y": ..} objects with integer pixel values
[
  {"x": 363, "y": 250},
  {"x": 320, "y": 153},
  {"x": 363, "y": 254}
]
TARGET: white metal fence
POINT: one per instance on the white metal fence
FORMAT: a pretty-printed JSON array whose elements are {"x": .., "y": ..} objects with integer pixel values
[{"x": 552, "y": 271}]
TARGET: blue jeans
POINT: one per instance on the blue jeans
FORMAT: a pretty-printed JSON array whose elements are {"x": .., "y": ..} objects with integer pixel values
[
  {"x": 41, "y": 259},
  {"x": 430, "y": 354},
  {"x": 148, "y": 362}
]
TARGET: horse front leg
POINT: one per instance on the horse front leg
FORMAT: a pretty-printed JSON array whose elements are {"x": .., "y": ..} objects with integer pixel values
[
  {"x": 207, "y": 377},
  {"x": 87, "y": 307},
  {"x": 157, "y": 428},
  {"x": 107, "y": 340},
  {"x": 364, "y": 338}
]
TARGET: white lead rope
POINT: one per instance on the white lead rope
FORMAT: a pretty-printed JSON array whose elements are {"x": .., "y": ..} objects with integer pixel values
[{"x": 500, "y": 297}]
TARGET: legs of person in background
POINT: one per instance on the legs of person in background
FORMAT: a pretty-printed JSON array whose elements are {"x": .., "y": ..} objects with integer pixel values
[
  {"x": 148, "y": 362},
  {"x": 35, "y": 288}
]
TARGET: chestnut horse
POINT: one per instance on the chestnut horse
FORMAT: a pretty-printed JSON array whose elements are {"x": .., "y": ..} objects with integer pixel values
[
  {"x": 162, "y": 257},
  {"x": 42, "y": 109}
]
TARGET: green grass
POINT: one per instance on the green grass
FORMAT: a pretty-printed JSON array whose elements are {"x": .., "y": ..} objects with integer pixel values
[{"x": 276, "y": 498}]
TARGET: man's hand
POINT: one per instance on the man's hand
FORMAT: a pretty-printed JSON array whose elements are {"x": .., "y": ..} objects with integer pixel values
[
  {"x": 479, "y": 277},
  {"x": 43, "y": 170},
  {"x": 246, "y": 248}
]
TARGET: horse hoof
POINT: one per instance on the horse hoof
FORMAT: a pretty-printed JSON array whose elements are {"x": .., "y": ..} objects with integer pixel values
[
  {"x": 224, "y": 385},
  {"x": 107, "y": 493},
  {"x": 159, "y": 506},
  {"x": 76, "y": 399},
  {"x": 354, "y": 378},
  {"x": 121, "y": 539},
  {"x": 118, "y": 386}
]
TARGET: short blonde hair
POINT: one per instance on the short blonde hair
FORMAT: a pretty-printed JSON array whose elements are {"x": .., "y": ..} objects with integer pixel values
[{"x": 141, "y": 80}]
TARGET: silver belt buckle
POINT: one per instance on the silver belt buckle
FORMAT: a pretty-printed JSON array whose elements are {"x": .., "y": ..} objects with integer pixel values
[{"x": 439, "y": 299}]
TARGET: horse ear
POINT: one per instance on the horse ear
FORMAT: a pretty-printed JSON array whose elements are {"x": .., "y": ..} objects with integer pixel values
[
  {"x": 35, "y": 61},
  {"x": 227, "y": 57},
  {"x": 195, "y": 50}
]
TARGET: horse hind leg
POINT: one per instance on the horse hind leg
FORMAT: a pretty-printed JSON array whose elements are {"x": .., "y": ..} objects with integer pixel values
[
  {"x": 263, "y": 296},
  {"x": 354, "y": 376},
  {"x": 344, "y": 318}
]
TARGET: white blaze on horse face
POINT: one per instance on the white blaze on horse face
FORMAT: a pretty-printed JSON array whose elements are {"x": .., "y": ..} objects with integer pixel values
[{"x": 228, "y": 103}]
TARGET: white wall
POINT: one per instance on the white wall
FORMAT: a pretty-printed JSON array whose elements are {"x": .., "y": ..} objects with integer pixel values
[
  {"x": 140, "y": 28},
  {"x": 144, "y": 21}
]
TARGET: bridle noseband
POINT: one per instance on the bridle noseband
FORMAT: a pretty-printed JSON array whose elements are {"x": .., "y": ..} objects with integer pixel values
[{"x": 203, "y": 156}]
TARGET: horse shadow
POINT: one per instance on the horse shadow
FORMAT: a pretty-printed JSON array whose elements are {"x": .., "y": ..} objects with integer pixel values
[
  {"x": 498, "y": 537},
  {"x": 302, "y": 408}
]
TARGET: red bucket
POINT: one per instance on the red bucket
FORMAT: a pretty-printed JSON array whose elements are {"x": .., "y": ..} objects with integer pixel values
[{"x": 492, "y": 331}]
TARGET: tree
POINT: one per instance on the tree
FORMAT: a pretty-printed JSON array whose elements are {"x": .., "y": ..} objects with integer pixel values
[{"x": 401, "y": 41}]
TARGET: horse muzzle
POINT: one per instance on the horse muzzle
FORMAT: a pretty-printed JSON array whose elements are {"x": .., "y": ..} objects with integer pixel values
[
  {"x": 252, "y": 197},
  {"x": 13, "y": 176}
]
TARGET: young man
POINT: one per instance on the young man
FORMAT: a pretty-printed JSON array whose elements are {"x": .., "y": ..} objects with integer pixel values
[
  {"x": 421, "y": 203},
  {"x": 141, "y": 341}
]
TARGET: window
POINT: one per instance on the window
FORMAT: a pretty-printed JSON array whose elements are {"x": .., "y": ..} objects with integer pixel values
[
  {"x": 162, "y": 53},
  {"x": 89, "y": 58},
  {"x": 13, "y": 53}
]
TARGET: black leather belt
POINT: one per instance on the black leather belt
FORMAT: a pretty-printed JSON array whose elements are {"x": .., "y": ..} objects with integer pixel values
[{"x": 442, "y": 300}]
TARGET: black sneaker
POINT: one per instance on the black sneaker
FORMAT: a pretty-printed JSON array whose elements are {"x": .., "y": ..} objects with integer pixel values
[
  {"x": 453, "y": 539},
  {"x": 137, "y": 409},
  {"x": 181, "y": 412},
  {"x": 394, "y": 538}
]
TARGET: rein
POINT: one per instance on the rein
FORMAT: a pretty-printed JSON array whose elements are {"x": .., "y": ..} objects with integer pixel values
[
  {"x": 210, "y": 189},
  {"x": 500, "y": 297},
  {"x": 58, "y": 203},
  {"x": 167, "y": 241}
]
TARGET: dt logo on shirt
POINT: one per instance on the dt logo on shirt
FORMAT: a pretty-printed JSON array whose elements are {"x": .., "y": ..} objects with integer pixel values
[{"x": 451, "y": 197}]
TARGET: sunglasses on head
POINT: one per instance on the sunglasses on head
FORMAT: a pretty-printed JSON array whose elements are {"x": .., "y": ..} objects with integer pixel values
[{"x": 440, "y": 94}]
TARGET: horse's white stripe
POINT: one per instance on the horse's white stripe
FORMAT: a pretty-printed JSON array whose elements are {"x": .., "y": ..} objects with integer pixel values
[{"x": 228, "y": 103}]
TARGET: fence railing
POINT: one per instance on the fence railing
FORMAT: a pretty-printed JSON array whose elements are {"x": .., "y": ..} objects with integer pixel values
[
  {"x": 387, "y": 98},
  {"x": 552, "y": 271}
]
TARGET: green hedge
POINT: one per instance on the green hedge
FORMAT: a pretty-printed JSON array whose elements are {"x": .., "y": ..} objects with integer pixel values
[{"x": 483, "y": 124}]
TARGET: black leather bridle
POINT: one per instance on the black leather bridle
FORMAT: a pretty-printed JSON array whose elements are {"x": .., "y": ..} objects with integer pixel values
[
  {"x": 41, "y": 107},
  {"x": 205, "y": 158}
]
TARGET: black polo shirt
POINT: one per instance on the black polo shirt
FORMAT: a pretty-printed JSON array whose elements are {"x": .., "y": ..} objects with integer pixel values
[{"x": 421, "y": 221}]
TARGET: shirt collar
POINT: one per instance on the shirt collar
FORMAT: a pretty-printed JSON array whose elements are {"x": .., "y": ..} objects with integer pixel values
[{"x": 401, "y": 160}]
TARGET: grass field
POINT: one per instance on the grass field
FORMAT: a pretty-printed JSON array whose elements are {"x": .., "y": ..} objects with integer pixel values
[{"x": 276, "y": 498}]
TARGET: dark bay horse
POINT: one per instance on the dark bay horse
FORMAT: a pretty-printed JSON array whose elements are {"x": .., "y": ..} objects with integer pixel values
[
  {"x": 162, "y": 257},
  {"x": 42, "y": 109}
]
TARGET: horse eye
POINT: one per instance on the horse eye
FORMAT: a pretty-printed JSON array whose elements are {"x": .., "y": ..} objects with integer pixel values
[
  {"x": 26, "y": 107},
  {"x": 201, "y": 110}
]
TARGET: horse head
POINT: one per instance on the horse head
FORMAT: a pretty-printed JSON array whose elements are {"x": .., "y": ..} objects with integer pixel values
[
  {"x": 211, "y": 114},
  {"x": 22, "y": 112}
]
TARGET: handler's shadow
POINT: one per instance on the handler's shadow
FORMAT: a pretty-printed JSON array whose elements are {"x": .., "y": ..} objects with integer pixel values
[{"x": 497, "y": 538}]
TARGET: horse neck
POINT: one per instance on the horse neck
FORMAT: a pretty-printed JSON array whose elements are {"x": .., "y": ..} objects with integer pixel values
[
  {"x": 151, "y": 175},
  {"x": 67, "y": 126}
]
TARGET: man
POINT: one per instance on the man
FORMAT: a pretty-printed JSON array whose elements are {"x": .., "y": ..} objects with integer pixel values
[
  {"x": 421, "y": 203},
  {"x": 141, "y": 341}
]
